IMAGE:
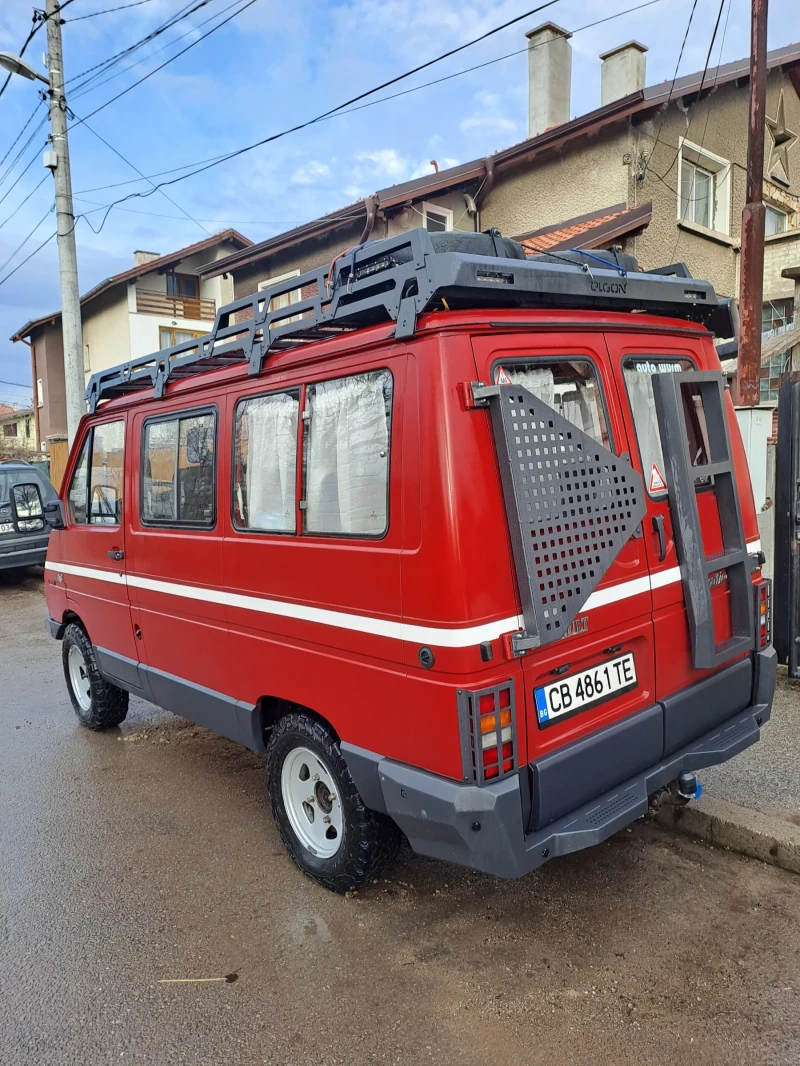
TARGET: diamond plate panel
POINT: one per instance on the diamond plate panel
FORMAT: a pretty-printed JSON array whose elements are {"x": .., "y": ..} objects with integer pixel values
[{"x": 571, "y": 505}]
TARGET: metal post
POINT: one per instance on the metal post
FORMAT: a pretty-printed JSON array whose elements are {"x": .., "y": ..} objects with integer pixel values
[
  {"x": 71, "y": 330},
  {"x": 752, "y": 262}
]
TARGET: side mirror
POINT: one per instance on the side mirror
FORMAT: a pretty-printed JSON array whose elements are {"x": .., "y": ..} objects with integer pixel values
[
  {"x": 54, "y": 514},
  {"x": 27, "y": 508}
]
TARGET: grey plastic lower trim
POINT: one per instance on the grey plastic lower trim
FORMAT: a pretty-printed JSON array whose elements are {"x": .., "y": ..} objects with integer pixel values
[
  {"x": 483, "y": 828},
  {"x": 363, "y": 766},
  {"x": 54, "y": 628},
  {"x": 701, "y": 706},
  {"x": 223, "y": 714}
]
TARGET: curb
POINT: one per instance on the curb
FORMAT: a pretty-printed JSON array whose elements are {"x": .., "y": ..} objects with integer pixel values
[{"x": 761, "y": 836}]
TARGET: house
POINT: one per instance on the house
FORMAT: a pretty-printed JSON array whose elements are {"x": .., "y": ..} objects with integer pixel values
[
  {"x": 158, "y": 302},
  {"x": 658, "y": 170},
  {"x": 17, "y": 432}
]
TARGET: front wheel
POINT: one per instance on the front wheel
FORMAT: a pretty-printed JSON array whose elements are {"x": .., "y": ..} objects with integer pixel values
[
  {"x": 329, "y": 832},
  {"x": 97, "y": 703}
]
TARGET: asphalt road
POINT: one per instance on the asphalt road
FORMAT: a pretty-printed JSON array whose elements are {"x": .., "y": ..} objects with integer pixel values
[{"x": 147, "y": 854}]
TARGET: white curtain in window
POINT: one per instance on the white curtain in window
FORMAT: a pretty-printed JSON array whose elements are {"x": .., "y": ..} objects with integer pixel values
[
  {"x": 348, "y": 456},
  {"x": 271, "y": 461},
  {"x": 538, "y": 381},
  {"x": 640, "y": 393}
]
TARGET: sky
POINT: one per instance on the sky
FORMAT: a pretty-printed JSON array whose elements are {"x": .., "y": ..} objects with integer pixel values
[{"x": 272, "y": 66}]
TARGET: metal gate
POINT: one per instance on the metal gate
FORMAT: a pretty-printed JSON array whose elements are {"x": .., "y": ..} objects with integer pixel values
[{"x": 786, "y": 584}]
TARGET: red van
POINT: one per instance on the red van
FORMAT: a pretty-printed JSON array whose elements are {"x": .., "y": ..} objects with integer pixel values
[{"x": 464, "y": 541}]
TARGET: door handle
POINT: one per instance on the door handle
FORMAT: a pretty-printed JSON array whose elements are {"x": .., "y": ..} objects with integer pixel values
[
  {"x": 658, "y": 527},
  {"x": 115, "y": 553}
]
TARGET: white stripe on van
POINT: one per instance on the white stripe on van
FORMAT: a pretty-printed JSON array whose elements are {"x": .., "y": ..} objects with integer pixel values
[{"x": 459, "y": 637}]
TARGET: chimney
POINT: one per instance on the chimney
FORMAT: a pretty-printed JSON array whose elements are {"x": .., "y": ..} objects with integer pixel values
[
  {"x": 623, "y": 72},
  {"x": 549, "y": 77},
  {"x": 140, "y": 258}
]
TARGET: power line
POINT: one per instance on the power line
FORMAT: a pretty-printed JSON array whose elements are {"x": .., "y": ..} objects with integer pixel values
[
  {"x": 22, "y": 245},
  {"x": 16, "y": 139},
  {"x": 11, "y": 188},
  {"x": 107, "y": 11},
  {"x": 15, "y": 384},
  {"x": 111, "y": 60},
  {"x": 177, "y": 55},
  {"x": 437, "y": 81},
  {"x": 28, "y": 258},
  {"x": 23, "y": 202},
  {"x": 38, "y": 21},
  {"x": 91, "y": 84},
  {"x": 134, "y": 167}
]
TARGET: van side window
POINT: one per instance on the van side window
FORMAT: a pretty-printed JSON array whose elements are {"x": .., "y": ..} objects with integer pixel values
[
  {"x": 178, "y": 471},
  {"x": 570, "y": 386},
  {"x": 95, "y": 492},
  {"x": 638, "y": 372},
  {"x": 105, "y": 474},
  {"x": 79, "y": 486},
  {"x": 265, "y": 463},
  {"x": 346, "y": 455}
]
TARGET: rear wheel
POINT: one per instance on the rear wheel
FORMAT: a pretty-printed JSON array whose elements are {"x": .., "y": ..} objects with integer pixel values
[
  {"x": 97, "y": 703},
  {"x": 329, "y": 832}
]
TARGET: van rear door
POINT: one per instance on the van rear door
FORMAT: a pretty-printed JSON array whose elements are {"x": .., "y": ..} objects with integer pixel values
[
  {"x": 640, "y": 359},
  {"x": 602, "y": 669}
]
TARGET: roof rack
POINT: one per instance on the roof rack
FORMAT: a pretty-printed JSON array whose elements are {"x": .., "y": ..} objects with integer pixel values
[{"x": 397, "y": 279}]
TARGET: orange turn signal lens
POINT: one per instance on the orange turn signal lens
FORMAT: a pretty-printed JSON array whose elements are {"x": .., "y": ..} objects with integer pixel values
[{"x": 489, "y": 723}]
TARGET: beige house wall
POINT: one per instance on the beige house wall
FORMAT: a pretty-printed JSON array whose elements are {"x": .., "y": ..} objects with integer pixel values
[
  {"x": 106, "y": 336},
  {"x": 587, "y": 176},
  {"x": 780, "y": 252},
  {"x": 24, "y": 442}
]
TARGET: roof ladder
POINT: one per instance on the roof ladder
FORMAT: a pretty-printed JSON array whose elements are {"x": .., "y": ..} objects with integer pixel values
[{"x": 675, "y": 396}]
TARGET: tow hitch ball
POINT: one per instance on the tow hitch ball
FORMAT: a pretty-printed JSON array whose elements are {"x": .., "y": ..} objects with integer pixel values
[{"x": 678, "y": 792}]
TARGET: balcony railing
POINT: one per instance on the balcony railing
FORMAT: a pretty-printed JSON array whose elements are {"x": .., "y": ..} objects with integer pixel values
[{"x": 158, "y": 303}]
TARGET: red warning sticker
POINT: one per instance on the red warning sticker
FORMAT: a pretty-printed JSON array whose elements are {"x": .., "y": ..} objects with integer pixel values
[
  {"x": 657, "y": 483},
  {"x": 502, "y": 377}
]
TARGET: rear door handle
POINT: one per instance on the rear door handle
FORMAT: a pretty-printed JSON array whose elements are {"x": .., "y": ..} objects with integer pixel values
[
  {"x": 115, "y": 553},
  {"x": 658, "y": 527}
]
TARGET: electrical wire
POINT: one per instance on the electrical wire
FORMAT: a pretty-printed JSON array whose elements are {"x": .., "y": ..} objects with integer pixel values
[
  {"x": 671, "y": 90},
  {"x": 107, "y": 11},
  {"x": 22, "y": 245},
  {"x": 16, "y": 139},
  {"x": 133, "y": 166},
  {"x": 91, "y": 83},
  {"x": 11, "y": 188},
  {"x": 23, "y": 202},
  {"x": 14, "y": 384},
  {"x": 28, "y": 258},
  {"x": 106, "y": 64},
  {"x": 38, "y": 21},
  {"x": 343, "y": 109}
]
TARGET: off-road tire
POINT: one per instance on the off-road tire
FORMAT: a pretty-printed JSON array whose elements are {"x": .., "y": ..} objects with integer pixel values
[
  {"x": 370, "y": 839},
  {"x": 109, "y": 704}
]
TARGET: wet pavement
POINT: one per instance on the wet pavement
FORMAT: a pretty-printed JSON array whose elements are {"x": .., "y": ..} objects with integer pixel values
[{"x": 146, "y": 854}]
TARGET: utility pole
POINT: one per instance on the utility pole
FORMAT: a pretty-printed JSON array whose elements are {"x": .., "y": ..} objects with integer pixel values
[
  {"x": 71, "y": 329},
  {"x": 751, "y": 286}
]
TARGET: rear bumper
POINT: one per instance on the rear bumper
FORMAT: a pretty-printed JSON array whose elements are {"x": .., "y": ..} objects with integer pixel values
[
  {"x": 485, "y": 828},
  {"x": 22, "y": 552}
]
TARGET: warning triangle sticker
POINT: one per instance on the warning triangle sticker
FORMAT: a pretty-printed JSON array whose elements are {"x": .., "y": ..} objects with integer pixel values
[
  {"x": 503, "y": 378},
  {"x": 657, "y": 483}
]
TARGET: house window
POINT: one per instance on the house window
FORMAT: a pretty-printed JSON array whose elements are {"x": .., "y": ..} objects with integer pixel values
[
  {"x": 437, "y": 219},
  {"x": 27, "y": 428},
  {"x": 10, "y": 429},
  {"x": 167, "y": 338},
  {"x": 776, "y": 315},
  {"x": 704, "y": 182},
  {"x": 286, "y": 299},
  {"x": 776, "y": 221},
  {"x": 183, "y": 285},
  {"x": 39, "y": 393}
]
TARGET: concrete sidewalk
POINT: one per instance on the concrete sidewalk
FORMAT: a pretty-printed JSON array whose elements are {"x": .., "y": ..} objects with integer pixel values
[{"x": 752, "y": 804}]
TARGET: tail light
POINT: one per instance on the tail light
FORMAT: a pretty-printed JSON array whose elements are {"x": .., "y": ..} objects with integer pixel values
[
  {"x": 763, "y": 618},
  {"x": 487, "y": 721}
]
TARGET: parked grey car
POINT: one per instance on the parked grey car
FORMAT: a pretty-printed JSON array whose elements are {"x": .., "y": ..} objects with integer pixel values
[{"x": 23, "y": 541}]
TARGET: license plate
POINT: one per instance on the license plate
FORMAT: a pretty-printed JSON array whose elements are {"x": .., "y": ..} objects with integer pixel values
[
  {"x": 6, "y": 527},
  {"x": 579, "y": 692}
]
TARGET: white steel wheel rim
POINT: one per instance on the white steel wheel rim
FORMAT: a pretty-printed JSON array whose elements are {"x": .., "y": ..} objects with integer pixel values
[
  {"x": 79, "y": 678},
  {"x": 312, "y": 802}
]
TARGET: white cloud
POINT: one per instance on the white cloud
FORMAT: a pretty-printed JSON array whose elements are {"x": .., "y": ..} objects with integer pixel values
[
  {"x": 487, "y": 124},
  {"x": 383, "y": 163},
  {"x": 310, "y": 172}
]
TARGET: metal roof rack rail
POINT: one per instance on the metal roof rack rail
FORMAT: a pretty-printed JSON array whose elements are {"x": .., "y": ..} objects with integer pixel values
[{"x": 395, "y": 280}]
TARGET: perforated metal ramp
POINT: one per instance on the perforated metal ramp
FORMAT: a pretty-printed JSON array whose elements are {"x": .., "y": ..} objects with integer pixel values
[
  {"x": 672, "y": 393},
  {"x": 571, "y": 504}
]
